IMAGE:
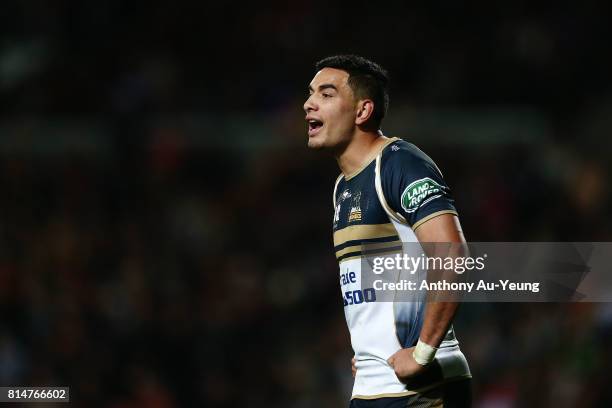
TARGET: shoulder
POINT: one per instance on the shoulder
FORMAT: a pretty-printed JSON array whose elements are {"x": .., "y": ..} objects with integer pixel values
[{"x": 404, "y": 156}]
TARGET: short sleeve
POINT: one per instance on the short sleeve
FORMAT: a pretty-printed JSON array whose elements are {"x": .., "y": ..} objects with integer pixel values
[{"x": 413, "y": 185}]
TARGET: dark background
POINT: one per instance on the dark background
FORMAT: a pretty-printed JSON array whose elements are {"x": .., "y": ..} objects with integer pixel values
[{"x": 165, "y": 234}]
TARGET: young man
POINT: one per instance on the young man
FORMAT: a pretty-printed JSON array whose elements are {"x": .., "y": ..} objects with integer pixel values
[{"x": 406, "y": 353}]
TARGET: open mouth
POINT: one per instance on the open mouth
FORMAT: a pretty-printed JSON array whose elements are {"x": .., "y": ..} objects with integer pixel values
[{"x": 314, "y": 126}]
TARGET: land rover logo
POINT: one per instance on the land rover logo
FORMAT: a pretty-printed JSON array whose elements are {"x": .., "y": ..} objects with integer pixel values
[{"x": 420, "y": 192}]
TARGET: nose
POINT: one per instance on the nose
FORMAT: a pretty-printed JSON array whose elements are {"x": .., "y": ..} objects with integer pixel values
[{"x": 309, "y": 105}]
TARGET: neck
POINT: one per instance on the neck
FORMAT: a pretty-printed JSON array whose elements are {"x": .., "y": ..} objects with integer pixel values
[{"x": 362, "y": 149}]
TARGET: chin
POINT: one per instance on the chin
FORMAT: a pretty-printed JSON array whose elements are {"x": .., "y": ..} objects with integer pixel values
[{"x": 315, "y": 143}]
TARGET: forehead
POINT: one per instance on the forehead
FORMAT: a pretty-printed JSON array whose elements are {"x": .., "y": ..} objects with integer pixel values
[{"x": 331, "y": 76}]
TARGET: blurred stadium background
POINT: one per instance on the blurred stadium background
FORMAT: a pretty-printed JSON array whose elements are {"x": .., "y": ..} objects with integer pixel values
[{"x": 165, "y": 235}]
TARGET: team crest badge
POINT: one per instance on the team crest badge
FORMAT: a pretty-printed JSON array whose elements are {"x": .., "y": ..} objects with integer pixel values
[{"x": 355, "y": 213}]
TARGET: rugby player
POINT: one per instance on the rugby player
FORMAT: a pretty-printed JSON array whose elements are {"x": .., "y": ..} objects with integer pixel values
[{"x": 406, "y": 354}]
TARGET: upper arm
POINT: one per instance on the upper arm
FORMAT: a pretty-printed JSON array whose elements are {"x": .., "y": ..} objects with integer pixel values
[{"x": 443, "y": 228}]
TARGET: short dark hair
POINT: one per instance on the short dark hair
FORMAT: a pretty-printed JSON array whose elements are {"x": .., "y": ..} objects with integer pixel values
[{"x": 367, "y": 79}]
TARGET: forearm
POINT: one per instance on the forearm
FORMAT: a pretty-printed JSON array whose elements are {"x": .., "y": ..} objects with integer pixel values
[
  {"x": 438, "y": 318},
  {"x": 445, "y": 241},
  {"x": 440, "y": 237}
]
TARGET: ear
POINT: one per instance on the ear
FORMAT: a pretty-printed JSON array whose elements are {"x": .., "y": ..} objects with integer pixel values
[{"x": 365, "y": 109}]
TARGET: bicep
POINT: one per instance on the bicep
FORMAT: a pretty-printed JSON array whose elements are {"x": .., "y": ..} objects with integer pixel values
[{"x": 443, "y": 228}]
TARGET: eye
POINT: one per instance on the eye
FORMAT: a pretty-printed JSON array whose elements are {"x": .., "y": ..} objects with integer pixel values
[{"x": 326, "y": 95}]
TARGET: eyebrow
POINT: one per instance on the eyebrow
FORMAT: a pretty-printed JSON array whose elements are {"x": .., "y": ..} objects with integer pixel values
[{"x": 324, "y": 86}]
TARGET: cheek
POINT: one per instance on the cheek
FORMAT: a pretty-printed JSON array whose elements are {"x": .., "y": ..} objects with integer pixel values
[
  {"x": 345, "y": 121},
  {"x": 339, "y": 121},
  {"x": 343, "y": 118}
]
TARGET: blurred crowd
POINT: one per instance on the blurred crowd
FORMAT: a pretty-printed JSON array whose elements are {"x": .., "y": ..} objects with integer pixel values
[{"x": 183, "y": 257}]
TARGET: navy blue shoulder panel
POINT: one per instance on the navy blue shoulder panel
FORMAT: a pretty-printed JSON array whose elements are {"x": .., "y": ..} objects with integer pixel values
[{"x": 412, "y": 183}]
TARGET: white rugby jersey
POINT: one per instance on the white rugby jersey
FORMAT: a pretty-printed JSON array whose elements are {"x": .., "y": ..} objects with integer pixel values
[{"x": 383, "y": 203}]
